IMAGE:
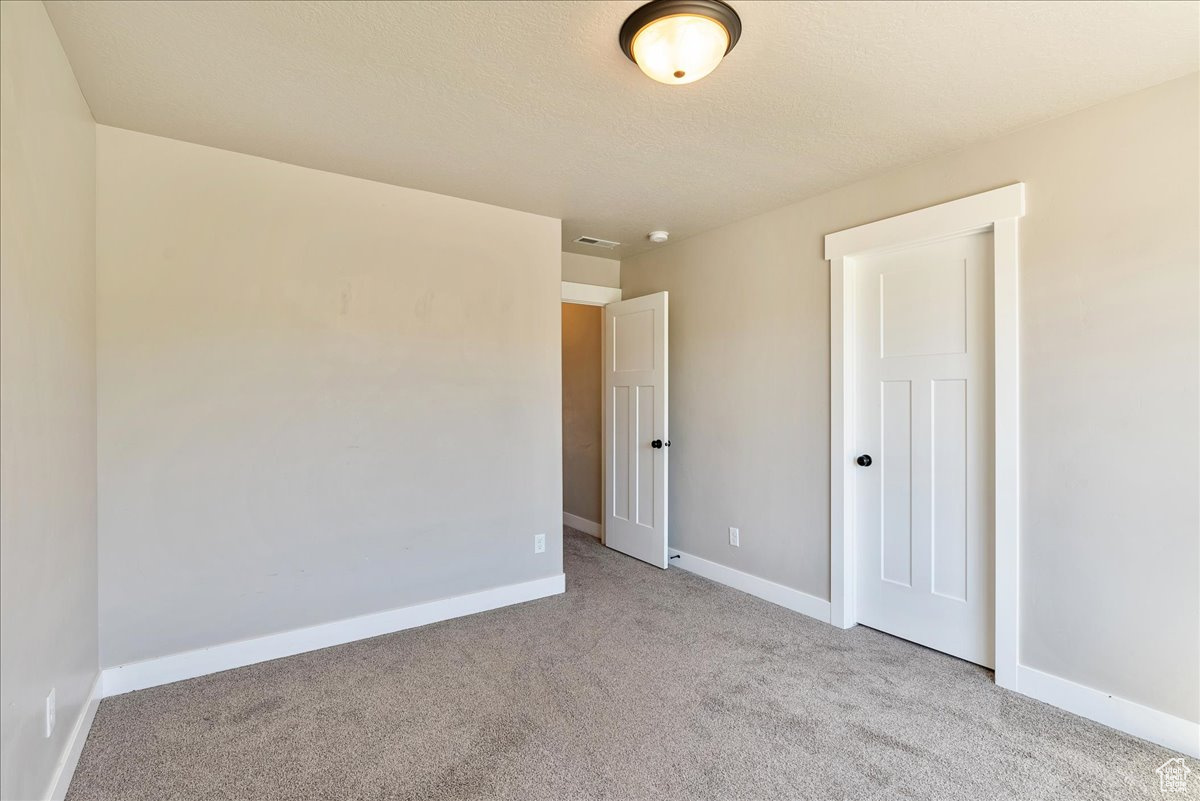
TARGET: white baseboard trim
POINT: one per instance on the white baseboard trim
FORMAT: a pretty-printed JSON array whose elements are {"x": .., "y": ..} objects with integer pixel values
[
  {"x": 786, "y": 597},
  {"x": 65, "y": 769},
  {"x": 201, "y": 662},
  {"x": 1132, "y": 718},
  {"x": 581, "y": 524}
]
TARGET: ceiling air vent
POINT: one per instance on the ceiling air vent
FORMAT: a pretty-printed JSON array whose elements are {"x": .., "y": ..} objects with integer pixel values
[{"x": 597, "y": 243}]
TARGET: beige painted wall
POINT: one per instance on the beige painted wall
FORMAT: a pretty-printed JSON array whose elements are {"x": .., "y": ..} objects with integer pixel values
[
  {"x": 591, "y": 270},
  {"x": 319, "y": 396},
  {"x": 1110, "y": 328},
  {"x": 581, "y": 414},
  {"x": 47, "y": 399}
]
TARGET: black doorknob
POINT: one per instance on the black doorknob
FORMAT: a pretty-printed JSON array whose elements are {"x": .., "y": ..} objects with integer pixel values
[
  {"x": 656, "y": 443},
  {"x": 864, "y": 460}
]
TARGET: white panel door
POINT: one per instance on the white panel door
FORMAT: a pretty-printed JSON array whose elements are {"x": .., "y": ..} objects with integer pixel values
[
  {"x": 635, "y": 427},
  {"x": 924, "y": 416}
]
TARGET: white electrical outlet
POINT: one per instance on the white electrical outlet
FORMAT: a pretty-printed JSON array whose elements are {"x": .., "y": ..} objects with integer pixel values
[
  {"x": 734, "y": 537},
  {"x": 539, "y": 543},
  {"x": 51, "y": 711}
]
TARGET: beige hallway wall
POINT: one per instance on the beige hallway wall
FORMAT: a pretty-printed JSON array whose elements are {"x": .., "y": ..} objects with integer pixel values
[
  {"x": 48, "y": 631},
  {"x": 581, "y": 415},
  {"x": 319, "y": 396},
  {"x": 1110, "y": 366},
  {"x": 595, "y": 270}
]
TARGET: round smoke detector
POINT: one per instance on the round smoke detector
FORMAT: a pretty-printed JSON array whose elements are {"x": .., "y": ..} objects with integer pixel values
[{"x": 658, "y": 237}]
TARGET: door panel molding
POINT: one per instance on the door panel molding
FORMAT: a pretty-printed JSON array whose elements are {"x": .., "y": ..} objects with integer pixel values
[
  {"x": 925, "y": 546},
  {"x": 635, "y": 427},
  {"x": 997, "y": 211}
]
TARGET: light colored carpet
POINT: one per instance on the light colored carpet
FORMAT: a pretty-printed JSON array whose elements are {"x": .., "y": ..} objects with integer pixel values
[{"x": 635, "y": 684}]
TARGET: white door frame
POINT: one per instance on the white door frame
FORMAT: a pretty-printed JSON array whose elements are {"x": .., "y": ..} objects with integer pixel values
[
  {"x": 589, "y": 294},
  {"x": 996, "y": 211}
]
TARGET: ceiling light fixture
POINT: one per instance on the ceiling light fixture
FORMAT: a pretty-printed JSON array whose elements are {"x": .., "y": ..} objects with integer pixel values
[{"x": 680, "y": 41}]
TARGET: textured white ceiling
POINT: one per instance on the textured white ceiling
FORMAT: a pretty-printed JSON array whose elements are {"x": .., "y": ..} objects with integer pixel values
[{"x": 531, "y": 105}]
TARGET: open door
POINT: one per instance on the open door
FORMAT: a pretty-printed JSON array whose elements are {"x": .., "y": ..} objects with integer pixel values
[{"x": 635, "y": 427}]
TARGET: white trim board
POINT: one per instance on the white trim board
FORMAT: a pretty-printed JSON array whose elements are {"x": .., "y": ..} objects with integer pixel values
[
  {"x": 581, "y": 524},
  {"x": 65, "y": 769},
  {"x": 1133, "y": 718},
  {"x": 973, "y": 213},
  {"x": 201, "y": 662},
  {"x": 589, "y": 294},
  {"x": 996, "y": 211},
  {"x": 786, "y": 597}
]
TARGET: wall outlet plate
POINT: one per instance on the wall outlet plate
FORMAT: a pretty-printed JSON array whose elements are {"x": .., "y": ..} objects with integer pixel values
[
  {"x": 735, "y": 537},
  {"x": 539, "y": 543},
  {"x": 51, "y": 712}
]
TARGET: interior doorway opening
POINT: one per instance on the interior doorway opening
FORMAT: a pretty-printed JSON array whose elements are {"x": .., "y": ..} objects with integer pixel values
[
  {"x": 582, "y": 417},
  {"x": 632, "y": 450}
]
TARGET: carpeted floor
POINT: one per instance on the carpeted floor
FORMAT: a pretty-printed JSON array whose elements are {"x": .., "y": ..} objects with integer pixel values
[{"x": 635, "y": 684}]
